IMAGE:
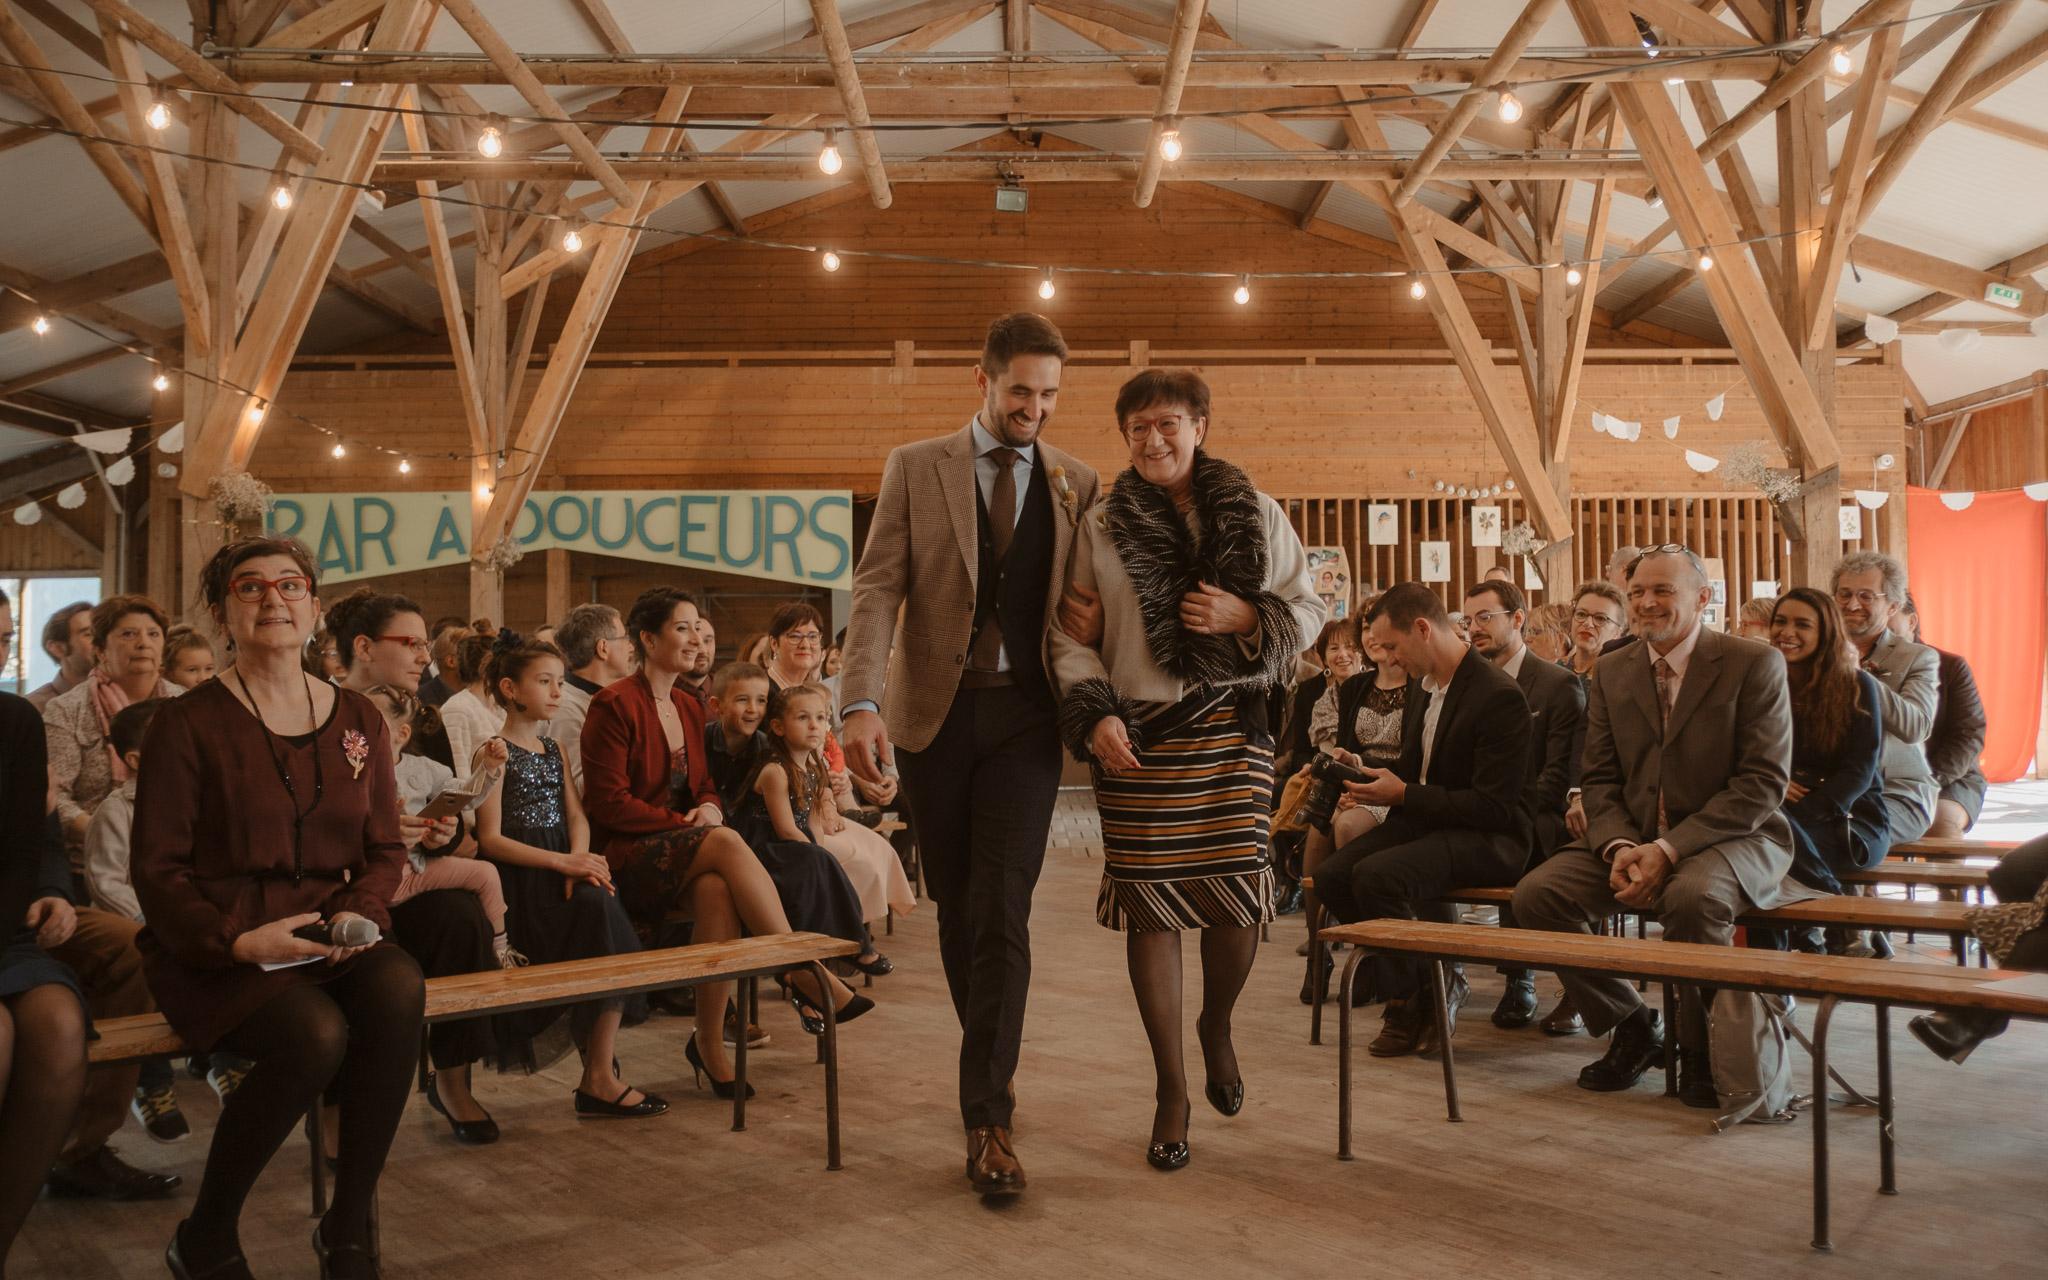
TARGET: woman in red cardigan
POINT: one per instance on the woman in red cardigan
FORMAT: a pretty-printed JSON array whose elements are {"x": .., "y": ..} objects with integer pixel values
[
  {"x": 654, "y": 814},
  {"x": 266, "y": 802}
]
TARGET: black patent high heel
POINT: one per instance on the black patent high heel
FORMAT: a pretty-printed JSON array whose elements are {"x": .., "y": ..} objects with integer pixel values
[
  {"x": 477, "y": 1133},
  {"x": 1168, "y": 1156},
  {"x": 813, "y": 1020},
  {"x": 345, "y": 1261},
  {"x": 1227, "y": 1098},
  {"x": 723, "y": 1088},
  {"x": 233, "y": 1267}
]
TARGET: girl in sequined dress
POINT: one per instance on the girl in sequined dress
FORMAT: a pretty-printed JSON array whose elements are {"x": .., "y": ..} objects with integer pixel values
[{"x": 559, "y": 896}]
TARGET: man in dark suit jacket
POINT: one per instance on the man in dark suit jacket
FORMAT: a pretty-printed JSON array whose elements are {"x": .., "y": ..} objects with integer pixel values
[
  {"x": 1455, "y": 818},
  {"x": 1688, "y": 751},
  {"x": 1495, "y": 611}
]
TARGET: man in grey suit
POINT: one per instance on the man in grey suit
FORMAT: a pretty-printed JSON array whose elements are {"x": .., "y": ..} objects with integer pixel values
[
  {"x": 1688, "y": 750},
  {"x": 1870, "y": 587}
]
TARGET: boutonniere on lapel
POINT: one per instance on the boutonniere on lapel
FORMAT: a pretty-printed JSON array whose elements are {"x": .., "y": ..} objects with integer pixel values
[
  {"x": 1068, "y": 498},
  {"x": 356, "y": 749}
]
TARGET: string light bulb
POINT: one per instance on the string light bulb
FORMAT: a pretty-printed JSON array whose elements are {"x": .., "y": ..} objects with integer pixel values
[
  {"x": 281, "y": 196},
  {"x": 162, "y": 382},
  {"x": 490, "y": 144},
  {"x": 829, "y": 161},
  {"x": 1416, "y": 288},
  {"x": 1169, "y": 140},
  {"x": 338, "y": 451},
  {"x": 1706, "y": 262},
  {"x": 1243, "y": 293},
  {"x": 1573, "y": 276},
  {"x": 831, "y": 260},
  {"x": 255, "y": 411},
  {"x": 405, "y": 466},
  {"x": 483, "y": 491},
  {"x": 572, "y": 241},
  {"x": 1839, "y": 60},
  {"x": 41, "y": 325},
  {"x": 1510, "y": 109},
  {"x": 159, "y": 115},
  {"x": 1045, "y": 286}
]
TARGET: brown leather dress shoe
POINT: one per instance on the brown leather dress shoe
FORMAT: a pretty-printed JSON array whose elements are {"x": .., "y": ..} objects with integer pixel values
[
  {"x": 992, "y": 1167},
  {"x": 1564, "y": 1020},
  {"x": 1399, "y": 1030}
]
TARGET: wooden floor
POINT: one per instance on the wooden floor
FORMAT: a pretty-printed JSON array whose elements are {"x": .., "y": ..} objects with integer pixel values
[{"x": 1542, "y": 1180}]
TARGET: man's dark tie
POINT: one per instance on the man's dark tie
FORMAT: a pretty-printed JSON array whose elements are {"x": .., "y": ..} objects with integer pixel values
[{"x": 986, "y": 652}]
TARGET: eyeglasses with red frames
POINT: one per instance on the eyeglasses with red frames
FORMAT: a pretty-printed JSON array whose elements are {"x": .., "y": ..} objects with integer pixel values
[
  {"x": 292, "y": 588},
  {"x": 414, "y": 643}
]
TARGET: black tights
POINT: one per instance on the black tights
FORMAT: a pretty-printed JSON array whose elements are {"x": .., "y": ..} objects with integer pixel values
[
  {"x": 1154, "y": 959},
  {"x": 42, "y": 1077},
  {"x": 361, "y": 1031}
]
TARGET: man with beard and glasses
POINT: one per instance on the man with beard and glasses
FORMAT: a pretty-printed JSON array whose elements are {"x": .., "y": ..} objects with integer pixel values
[
  {"x": 1688, "y": 752},
  {"x": 1869, "y": 588},
  {"x": 946, "y": 659}
]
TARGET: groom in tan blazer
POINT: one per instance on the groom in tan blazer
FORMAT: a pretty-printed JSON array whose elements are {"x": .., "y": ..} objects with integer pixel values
[
  {"x": 946, "y": 659},
  {"x": 1688, "y": 750}
]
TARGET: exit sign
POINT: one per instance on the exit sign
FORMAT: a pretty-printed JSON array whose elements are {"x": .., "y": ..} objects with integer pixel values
[{"x": 2004, "y": 295}]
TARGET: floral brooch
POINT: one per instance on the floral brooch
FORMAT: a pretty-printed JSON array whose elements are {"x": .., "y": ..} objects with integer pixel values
[
  {"x": 356, "y": 748},
  {"x": 1068, "y": 497}
]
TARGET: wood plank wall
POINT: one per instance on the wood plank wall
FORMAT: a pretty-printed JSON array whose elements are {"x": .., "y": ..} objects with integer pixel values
[{"x": 2006, "y": 446}]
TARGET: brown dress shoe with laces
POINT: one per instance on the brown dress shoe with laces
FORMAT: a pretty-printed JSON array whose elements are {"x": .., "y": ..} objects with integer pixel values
[
  {"x": 1400, "y": 1028},
  {"x": 1564, "y": 1020},
  {"x": 992, "y": 1167}
]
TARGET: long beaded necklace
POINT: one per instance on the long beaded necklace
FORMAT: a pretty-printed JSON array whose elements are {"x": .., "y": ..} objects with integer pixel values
[{"x": 284, "y": 775}]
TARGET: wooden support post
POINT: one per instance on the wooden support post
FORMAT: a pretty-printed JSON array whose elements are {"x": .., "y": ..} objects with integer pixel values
[{"x": 561, "y": 590}]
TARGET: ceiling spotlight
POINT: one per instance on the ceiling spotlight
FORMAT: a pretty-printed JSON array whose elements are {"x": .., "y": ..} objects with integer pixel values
[
  {"x": 831, "y": 261},
  {"x": 1045, "y": 288},
  {"x": 1243, "y": 293},
  {"x": 1169, "y": 141},
  {"x": 159, "y": 115},
  {"x": 490, "y": 144},
  {"x": 1654, "y": 200},
  {"x": 829, "y": 161},
  {"x": 162, "y": 383},
  {"x": 572, "y": 241},
  {"x": 1706, "y": 262},
  {"x": 281, "y": 196},
  {"x": 41, "y": 325},
  {"x": 1510, "y": 109},
  {"x": 1573, "y": 276},
  {"x": 338, "y": 451},
  {"x": 1416, "y": 289},
  {"x": 405, "y": 466},
  {"x": 1839, "y": 60}
]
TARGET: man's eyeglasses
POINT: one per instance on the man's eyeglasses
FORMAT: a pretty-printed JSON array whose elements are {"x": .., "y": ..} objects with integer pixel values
[
  {"x": 1167, "y": 427},
  {"x": 414, "y": 643},
  {"x": 291, "y": 589},
  {"x": 1868, "y": 599},
  {"x": 1580, "y": 617},
  {"x": 1485, "y": 617}
]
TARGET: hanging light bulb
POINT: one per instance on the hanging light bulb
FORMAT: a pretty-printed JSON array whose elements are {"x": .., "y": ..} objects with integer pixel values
[
  {"x": 338, "y": 450},
  {"x": 1169, "y": 141},
  {"x": 828, "y": 159},
  {"x": 1839, "y": 60},
  {"x": 1510, "y": 109},
  {"x": 1045, "y": 286},
  {"x": 405, "y": 466},
  {"x": 1243, "y": 293},
  {"x": 1573, "y": 276},
  {"x": 831, "y": 261},
  {"x": 281, "y": 196},
  {"x": 1416, "y": 289},
  {"x": 162, "y": 382},
  {"x": 572, "y": 241},
  {"x": 1706, "y": 262},
  {"x": 490, "y": 144},
  {"x": 159, "y": 116},
  {"x": 41, "y": 325},
  {"x": 255, "y": 411},
  {"x": 1655, "y": 201},
  {"x": 483, "y": 491}
]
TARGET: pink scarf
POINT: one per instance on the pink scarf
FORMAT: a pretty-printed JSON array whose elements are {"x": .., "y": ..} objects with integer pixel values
[{"x": 108, "y": 701}]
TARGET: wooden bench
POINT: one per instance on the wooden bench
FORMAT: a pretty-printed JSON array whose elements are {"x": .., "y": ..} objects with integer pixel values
[
  {"x": 1830, "y": 979},
  {"x": 1921, "y": 875},
  {"x": 1932, "y": 850},
  {"x": 495, "y": 991}
]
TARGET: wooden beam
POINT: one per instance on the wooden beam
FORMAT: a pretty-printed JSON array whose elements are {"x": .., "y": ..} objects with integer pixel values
[
  {"x": 63, "y": 466},
  {"x": 58, "y": 409},
  {"x": 1418, "y": 18},
  {"x": 70, "y": 532},
  {"x": 400, "y": 256},
  {"x": 166, "y": 196},
  {"x": 1314, "y": 208},
  {"x": 599, "y": 17},
  {"x": 840, "y": 54},
  {"x": 2020, "y": 265},
  {"x": 1939, "y": 471},
  {"x": 448, "y": 286},
  {"x": 15, "y": 313},
  {"x": 1757, "y": 220},
  {"x": 1017, "y": 26},
  {"x": 1927, "y": 117},
  {"x": 883, "y": 27},
  {"x": 63, "y": 369},
  {"x": 1808, "y": 70},
  {"x": 507, "y": 59},
  {"x": 67, "y": 28},
  {"x": 1491, "y": 76},
  {"x": 1580, "y": 337},
  {"x": 1845, "y": 206},
  {"x": 1173, "y": 78},
  {"x": 325, "y": 25},
  {"x": 1689, "y": 26},
  {"x": 64, "y": 104},
  {"x": 1954, "y": 279},
  {"x": 1701, "y": 212}
]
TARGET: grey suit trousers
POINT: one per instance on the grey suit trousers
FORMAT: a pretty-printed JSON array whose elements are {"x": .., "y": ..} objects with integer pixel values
[{"x": 1569, "y": 893}]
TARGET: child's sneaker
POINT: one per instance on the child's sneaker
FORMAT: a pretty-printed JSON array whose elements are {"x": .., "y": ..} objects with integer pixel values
[{"x": 157, "y": 1109}]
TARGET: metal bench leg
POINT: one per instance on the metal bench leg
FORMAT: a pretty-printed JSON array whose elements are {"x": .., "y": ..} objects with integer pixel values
[
  {"x": 1820, "y": 1124},
  {"x": 829, "y": 1042},
  {"x": 1318, "y": 956},
  {"x": 1443, "y": 1037},
  {"x": 426, "y": 1060},
  {"x": 739, "y": 1061},
  {"x": 1344, "y": 1052},
  {"x": 1671, "y": 999},
  {"x": 316, "y": 1136},
  {"x": 1888, "y": 1181},
  {"x": 1960, "y": 944}
]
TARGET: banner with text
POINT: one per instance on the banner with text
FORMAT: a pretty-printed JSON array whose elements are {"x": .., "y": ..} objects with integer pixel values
[{"x": 800, "y": 536}]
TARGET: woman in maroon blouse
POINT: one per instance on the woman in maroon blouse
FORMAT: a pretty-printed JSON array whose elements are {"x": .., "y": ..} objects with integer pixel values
[
  {"x": 655, "y": 817},
  {"x": 266, "y": 802}
]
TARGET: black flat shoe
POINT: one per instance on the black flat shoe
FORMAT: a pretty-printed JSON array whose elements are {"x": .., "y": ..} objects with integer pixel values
[
  {"x": 598, "y": 1108},
  {"x": 1168, "y": 1156},
  {"x": 233, "y": 1267},
  {"x": 723, "y": 1088},
  {"x": 477, "y": 1133},
  {"x": 344, "y": 1261},
  {"x": 1226, "y": 1098}
]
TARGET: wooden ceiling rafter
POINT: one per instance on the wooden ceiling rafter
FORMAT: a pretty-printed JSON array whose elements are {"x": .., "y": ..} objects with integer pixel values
[
  {"x": 1180, "y": 52},
  {"x": 839, "y": 52},
  {"x": 1488, "y": 81},
  {"x": 100, "y": 147}
]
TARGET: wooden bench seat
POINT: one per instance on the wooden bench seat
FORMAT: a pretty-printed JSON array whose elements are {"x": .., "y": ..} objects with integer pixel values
[
  {"x": 1831, "y": 979},
  {"x": 1946, "y": 875},
  {"x": 1933, "y": 850}
]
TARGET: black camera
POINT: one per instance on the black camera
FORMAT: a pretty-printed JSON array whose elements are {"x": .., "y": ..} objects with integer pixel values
[{"x": 1327, "y": 776}]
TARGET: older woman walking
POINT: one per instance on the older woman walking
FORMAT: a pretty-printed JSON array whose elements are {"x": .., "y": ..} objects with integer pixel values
[{"x": 1206, "y": 600}]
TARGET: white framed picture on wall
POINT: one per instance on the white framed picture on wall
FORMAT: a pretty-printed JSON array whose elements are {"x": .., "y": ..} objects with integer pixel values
[
  {"x": 1436, "y": 562},
  {"x": 1382, "y": 524}
]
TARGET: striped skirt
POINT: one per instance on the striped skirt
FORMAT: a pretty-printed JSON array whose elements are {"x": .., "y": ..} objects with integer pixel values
[{"x": 1184, "y": 835}]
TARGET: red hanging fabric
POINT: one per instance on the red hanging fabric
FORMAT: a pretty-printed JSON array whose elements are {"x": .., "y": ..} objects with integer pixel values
[{"x": 1980, "y": 577}]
